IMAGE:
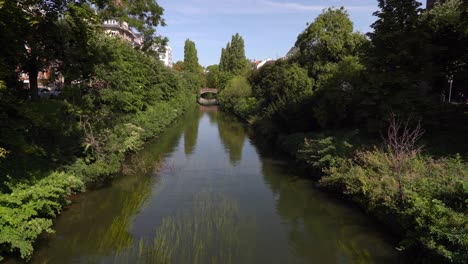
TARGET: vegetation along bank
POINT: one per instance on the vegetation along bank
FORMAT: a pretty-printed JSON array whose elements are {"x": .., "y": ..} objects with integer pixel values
[
  {"x": 364, "y": 112},
  {"x": 114, "y": 97}
]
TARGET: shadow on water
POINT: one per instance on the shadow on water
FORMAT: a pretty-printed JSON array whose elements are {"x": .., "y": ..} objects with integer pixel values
[{"x": 213, "y": 198}]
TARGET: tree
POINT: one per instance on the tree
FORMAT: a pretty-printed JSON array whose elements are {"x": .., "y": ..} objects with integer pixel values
[
  {"x": 143, "y": 15},
  {"x": 223, "y": 62},
  {"x": 327, "y": 41},
  {"x": 233, "y": 58},
  {"x": 212, "y": 76},
  {"x": 281, "y": 80},
  {"x": 191, "y": 57},
  {"x": 446, "y": 23},
  {"x": 399, "y": 48},
  {"x": 33, "y": 31},
  {"x": 179, "y": 66}
]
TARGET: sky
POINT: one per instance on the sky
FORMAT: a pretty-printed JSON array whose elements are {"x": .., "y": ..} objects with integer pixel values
[{"x": 269, "y": 27}]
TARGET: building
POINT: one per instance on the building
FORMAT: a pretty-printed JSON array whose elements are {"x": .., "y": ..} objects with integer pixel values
[
  {"x": 262, "y": 63},
  {"x": 121, "y": 29},
  {"x": 166, "y": 57}
]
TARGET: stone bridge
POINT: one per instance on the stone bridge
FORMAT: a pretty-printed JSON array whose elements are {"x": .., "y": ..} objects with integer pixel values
[
  {"x": 208, "y": 90},
  {"x": 204, "y": 101}
]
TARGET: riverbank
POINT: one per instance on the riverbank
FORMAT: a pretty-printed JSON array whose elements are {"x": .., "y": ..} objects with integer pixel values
[
  {"x": 204, "y": 190},
  {"x": 29, "y": 210},
  {"x": 419, "y": 198}
]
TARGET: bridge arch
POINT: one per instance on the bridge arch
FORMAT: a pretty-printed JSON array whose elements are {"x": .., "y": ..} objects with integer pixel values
[
  {"x": 204, "y": 101},
  {"x": 208, "y": 90}
]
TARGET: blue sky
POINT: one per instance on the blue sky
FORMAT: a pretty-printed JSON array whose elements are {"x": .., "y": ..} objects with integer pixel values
[{"x": 269, "y": 27}]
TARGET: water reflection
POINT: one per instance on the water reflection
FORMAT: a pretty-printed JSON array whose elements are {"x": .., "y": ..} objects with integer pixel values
[
  {"x": 192, "y": 120},
  {"x": 232, "y": 135},
  {"x": 320, "y": 227},
  {"x": 212, "y": 198},
  {"x": 89, "y": 229}
]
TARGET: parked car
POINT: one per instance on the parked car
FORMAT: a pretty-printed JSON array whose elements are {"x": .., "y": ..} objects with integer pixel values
[
  {"x": 44, "y": 93},
  {"x": 56, "y": 93}
]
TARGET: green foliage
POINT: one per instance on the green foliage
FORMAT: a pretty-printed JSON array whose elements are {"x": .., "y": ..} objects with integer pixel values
[
  {"x": 179, "y": 66},
  {"x": 25, "y": 212},
  {"x": 236, "y": 97},
  {"x": 125, "y": 98},
  {"x": 190, "y": 57},
  {"x": 233, "y": 58},
  {"x": 326, "y": 41},
  {"x": 339, "y": 94},
  {"x": 434, "y": 208},
  {"x": 223, "y": 79},
  {"x": 323, "y": 152},
  {"x": 143, "y": 15},
  {"x": 398, "y": 53},
  {"x": 212, "y": 76},
  {"x": 132, "y": 80},
  {"x": 442, "y": 24},
  {"x": 281, "y": 80}
]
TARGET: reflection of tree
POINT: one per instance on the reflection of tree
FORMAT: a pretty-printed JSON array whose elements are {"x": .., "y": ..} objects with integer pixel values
[
  {"x": 98, "y": 224},
  {"x": 192, "y": 120},
  {"x": 232, "y": 135},
  {"x": 213, "y": 115},
  {"x": 319, "y": 227}
]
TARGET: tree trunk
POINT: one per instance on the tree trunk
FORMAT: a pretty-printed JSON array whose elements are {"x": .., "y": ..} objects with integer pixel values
[{"x": 33, "y": 82}]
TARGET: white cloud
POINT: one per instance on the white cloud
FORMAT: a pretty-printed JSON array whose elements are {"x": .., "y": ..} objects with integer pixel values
[{"x": 251, "y": 7}]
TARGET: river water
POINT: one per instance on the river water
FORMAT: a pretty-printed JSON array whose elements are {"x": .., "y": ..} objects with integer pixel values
[{"x": 203, "y": 192}]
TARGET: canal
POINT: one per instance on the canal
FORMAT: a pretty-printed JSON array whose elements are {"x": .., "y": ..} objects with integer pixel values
[{"x": 203, "y": 192}]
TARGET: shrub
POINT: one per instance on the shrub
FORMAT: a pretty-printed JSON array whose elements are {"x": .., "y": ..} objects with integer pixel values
[
  {"x": 236, "y": 97},
  {"x": 281, "y": 80},
  {"x": 25, "y": 213},
  {"x": 432, "y": 212}
]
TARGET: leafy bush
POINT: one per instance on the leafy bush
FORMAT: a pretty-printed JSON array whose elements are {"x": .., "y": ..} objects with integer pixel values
[
  {"x": 281, "y": 80},
  {"x": 236, "y": 88},
  {"x": 433, "y": 212},
  {"x": 26, "y": 212},
  {"x": 236, "y": 98},
  {"x": 323, "y": 152}
]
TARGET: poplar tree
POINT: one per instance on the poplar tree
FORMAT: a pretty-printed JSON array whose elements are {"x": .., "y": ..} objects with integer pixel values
[
  {"x": 233, "y": 58},
  {"x": 191, "y": 57},
  {"x": 238, "y": 60}
]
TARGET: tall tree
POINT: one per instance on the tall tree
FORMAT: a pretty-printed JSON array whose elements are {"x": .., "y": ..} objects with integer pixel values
[
  {"x": 191, "y": 57},
  {"x": 34, "y": 24},
  {"x": 233, "y": 58},
  {"x": 445, "y": 23},
  {"x": 398, "y": 44},
  {"x": 327, "y": 41},
  {"x": 238, "y": 59},
  {"x": 222, "y": 61}
]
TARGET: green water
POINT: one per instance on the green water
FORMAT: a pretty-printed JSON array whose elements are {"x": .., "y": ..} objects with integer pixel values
[{"x": 204, "y": 193}]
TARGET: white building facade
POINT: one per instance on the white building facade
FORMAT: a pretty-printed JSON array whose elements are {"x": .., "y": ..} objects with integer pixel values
[
  {"x": 166, "y": 57},
  {"x": 121, "y": 29}
]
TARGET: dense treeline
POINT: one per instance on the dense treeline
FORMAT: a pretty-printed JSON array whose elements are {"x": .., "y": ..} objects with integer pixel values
[
  {"x": 339, "y": 91},
  {"x": 114, "y": 98}
]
